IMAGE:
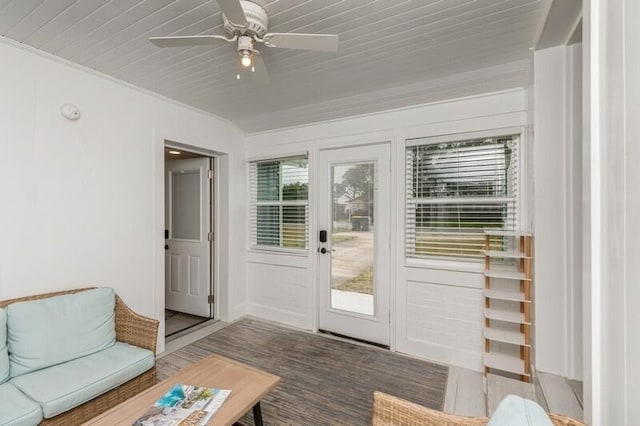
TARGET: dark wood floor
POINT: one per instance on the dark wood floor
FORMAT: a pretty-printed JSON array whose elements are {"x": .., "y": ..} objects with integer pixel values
[{"x": 324, "y": 381}]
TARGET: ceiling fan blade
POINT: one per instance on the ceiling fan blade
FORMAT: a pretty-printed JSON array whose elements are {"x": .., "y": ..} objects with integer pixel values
[
  {"x": 232, "y": 9},
  {"x": 182, "y": 41},
  {"x": 319, "y": 42},
  {"x": 260, "y": 75}
]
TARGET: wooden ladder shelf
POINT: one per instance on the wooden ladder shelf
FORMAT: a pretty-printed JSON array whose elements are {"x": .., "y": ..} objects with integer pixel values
[{"x": 508, "y": 303}]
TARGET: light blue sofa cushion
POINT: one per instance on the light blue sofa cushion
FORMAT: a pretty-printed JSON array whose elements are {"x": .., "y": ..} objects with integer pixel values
[
  {"x": 516, "y": 411},
  {"x": 4, "y": 355},
  {"x": 59, "y": 329},
  {"x": 65, "y": 386},
  {"x": 16, "y": 409}
]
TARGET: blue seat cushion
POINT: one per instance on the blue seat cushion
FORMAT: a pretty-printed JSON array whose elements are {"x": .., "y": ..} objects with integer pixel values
[
  {"x": 16, "y": 409},
  {"x": 4, "y": 354},
  {"x": 517, "y": 411},
  {"x": 64, "y": 386},
  {"x": 50, "y": 331}
]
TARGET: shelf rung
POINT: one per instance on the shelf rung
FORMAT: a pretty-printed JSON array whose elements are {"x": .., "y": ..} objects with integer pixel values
[
  {"x": 507, "y": 275},
  {"x": 504, "y": 362},
  {"x": 506, "y": 316},
  {"x": 512, "y": 296},
  {"x": 505, "y": 336},
  {"x": 505, "y": 254}
]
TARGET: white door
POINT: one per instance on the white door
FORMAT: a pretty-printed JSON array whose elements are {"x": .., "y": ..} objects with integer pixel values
[
  {"x": 187, "y": 249},
  {"x": 354, "y": 271}
]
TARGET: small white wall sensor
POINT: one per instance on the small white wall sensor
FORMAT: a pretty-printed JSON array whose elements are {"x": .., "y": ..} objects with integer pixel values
[{"x": 70, "y": 112}]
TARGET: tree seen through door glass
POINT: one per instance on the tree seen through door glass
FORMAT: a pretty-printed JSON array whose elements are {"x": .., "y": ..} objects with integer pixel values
[{"x": 352, "y": 237}]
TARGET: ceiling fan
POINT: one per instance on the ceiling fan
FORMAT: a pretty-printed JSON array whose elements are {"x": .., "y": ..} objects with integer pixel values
[{"x": 247, "y": 22}]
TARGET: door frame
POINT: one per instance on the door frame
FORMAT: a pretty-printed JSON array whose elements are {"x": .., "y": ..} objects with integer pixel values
[
  {"x": 354, "y": 141},
  {"x": 213, "y": 219}
]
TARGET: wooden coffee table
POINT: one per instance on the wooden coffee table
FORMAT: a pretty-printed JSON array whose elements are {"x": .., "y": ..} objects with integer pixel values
[{"x": 248, "y": 386}]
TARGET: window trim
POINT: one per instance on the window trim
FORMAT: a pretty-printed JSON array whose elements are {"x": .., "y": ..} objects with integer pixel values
[
  {"x": 455, "y": 137},
  {"x": 254, "y": 203},
  {"x": 466, "y": 264}
]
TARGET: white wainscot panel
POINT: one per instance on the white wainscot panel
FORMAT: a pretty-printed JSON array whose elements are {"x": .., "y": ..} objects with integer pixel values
[
  {"x": 279, "y": 293},
  {"x": 448, "y": 277},
  {"x": 444, "y": 323}
]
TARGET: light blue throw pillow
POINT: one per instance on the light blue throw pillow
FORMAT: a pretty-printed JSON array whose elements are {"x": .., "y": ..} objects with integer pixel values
[
  {"x": 51, "y": 331},
  {"x": 516, "y": 411},
  {"x": 4, "y": 355}
]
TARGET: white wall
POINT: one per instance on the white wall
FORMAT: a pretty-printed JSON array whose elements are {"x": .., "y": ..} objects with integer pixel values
[
  {"x": 575, "y": 211},
  {"x": 81, "y": 202},
  {"x": 612, "y": 346},
  {"x": 438, "y": 306},
  {"x": 632, "y": 209},
  {"x": 558, "y": 210}
]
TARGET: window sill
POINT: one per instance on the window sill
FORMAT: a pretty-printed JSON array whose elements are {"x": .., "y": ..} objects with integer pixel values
[
  {"x": 280, "y": 251},
  {"x": 445, "y": 265}
]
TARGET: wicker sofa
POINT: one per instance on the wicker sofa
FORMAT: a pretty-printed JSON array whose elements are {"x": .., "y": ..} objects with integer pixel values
[
  {"x": 133, "y": 331},
  {"x": 392, "y": 411}
]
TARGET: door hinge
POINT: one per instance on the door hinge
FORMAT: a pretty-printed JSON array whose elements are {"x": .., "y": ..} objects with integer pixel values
[
  {"x": 210, "y": 236},
  {"x": 210, "y": 299},
  {"x": 210, "y": 174}
]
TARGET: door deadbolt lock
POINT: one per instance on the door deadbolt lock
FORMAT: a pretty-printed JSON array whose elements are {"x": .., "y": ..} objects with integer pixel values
[{"x": 322, "y": 250}]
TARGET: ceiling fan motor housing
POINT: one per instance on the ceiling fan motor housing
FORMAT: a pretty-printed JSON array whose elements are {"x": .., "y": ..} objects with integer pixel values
[
  {"x": 257, "y": 21},
  {"x": 245, "y": 45}
]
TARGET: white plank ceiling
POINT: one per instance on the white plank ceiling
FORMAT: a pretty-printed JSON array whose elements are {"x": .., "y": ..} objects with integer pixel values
[{"x": 393, "y": 53}]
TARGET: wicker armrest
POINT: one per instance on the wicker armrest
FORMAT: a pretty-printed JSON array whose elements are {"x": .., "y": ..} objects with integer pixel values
[
  {"x": 559, "y": 420},
  {"x": 135, "y": 329},
  {"x": 391, "y": 411}
]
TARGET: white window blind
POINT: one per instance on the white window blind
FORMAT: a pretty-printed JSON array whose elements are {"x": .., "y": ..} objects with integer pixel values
[
  {"x": 279, "y": 191},
  {"x": 456, "y": 189}
]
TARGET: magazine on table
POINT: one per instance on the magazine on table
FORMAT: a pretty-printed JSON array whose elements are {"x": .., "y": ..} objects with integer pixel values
[{"x": 184, "y": 405}]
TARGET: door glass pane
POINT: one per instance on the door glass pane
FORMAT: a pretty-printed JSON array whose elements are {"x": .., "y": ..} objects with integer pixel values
[
  {"x": 352, "y": 238},
  {"x": 185, "y": 205}
]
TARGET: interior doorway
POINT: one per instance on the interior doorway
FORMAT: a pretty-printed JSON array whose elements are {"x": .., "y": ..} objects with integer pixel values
[{"x": 189, "y": 239}]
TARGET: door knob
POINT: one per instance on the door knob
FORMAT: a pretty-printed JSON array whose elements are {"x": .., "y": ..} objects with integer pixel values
[
  {"x": 166, "y": 246},
  {"x": 323, "y": 250}
]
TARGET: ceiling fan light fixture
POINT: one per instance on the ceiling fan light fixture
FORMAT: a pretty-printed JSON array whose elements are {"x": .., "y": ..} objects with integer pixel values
[{"x": 246, "y": 59}]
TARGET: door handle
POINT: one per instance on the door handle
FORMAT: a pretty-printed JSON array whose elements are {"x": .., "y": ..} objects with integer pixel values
[{"x": 324, "y": 250}]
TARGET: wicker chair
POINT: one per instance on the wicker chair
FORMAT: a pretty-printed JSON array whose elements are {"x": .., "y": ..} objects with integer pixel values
[
  {"x": 391, "y": 411},
  {"x": 131, "y": 328}
]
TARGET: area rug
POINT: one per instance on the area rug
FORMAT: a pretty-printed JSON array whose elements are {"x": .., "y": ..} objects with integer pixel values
[{"x": 324, "y": 381}]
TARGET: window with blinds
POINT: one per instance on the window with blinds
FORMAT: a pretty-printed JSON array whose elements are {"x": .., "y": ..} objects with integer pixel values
[
  {"x": 279, "y": 191},
  {"x": 454, "y": 190}
]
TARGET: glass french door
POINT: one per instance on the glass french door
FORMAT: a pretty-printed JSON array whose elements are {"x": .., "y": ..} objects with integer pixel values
[{"x": 353, "y": 247}]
